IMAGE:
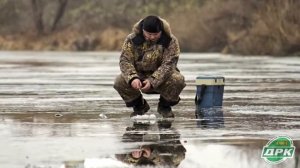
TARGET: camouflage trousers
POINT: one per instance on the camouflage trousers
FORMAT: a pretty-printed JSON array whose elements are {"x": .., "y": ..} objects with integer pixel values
[{"x": 169, "y": 90}]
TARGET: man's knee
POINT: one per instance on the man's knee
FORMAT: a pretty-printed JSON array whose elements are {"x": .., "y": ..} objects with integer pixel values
[
  {"x": 177, "y": 79},
  {"x": 119, "y": 82}
]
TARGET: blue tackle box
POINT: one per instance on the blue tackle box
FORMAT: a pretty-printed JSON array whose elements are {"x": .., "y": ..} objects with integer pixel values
[{"x": 209, "y": 93}]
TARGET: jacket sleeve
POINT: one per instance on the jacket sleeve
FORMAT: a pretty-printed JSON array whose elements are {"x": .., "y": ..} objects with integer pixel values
[
  {"x": 169, "y": 63},
  {"x": 127, "y": 62}
]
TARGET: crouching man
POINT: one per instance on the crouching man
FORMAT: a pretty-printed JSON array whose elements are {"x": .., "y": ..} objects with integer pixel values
[{"x": 148, "y": 64}]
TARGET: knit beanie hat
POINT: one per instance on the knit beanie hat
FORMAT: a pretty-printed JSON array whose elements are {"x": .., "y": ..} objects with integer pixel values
[{"x": 152, "y": 24}]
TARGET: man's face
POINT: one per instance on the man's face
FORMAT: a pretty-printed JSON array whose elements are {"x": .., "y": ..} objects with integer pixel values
[
  {"x": 153, "y": 37},
  {"x": 145, "y": 151}
]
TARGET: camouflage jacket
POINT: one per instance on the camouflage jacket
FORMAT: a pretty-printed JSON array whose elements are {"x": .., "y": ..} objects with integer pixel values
[{"x": 146, "y": 60}]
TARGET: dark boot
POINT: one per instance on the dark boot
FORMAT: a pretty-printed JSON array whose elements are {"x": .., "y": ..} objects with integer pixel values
[
  {"x": 141, "y": 107},
  {"x": 164, "y": 108},
  {"x": 165, "y": 111},
  {"x": 165, "y": 123}
]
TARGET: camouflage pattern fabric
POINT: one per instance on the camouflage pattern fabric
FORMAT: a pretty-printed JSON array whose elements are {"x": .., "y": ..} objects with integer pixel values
[
  {"x": 151, "y": 61},
  {"x": 169, "y": 89}
]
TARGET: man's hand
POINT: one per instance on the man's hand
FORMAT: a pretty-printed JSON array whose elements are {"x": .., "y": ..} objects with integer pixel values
[
  {"x": 147, "y": 85},
  {"x": 136, "y": 84}
]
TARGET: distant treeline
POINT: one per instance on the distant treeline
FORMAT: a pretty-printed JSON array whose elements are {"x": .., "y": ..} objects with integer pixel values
[{"x": 245, "y": 27}]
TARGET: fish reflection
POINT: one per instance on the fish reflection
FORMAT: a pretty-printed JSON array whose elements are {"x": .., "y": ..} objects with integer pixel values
[{"x": 161, "y": 147}]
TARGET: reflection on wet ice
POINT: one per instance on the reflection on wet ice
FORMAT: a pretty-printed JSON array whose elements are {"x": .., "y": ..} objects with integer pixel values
[
  {"x": 160, "y": 148},
  {"x": 210, "y": 117},
  {"x": 153, "y": 144}
]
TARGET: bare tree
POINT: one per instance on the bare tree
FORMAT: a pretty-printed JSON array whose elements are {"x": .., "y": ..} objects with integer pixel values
[
  {"x": 59, "y": 14},
  {"x": 38, "y": 10}
]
